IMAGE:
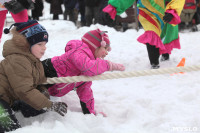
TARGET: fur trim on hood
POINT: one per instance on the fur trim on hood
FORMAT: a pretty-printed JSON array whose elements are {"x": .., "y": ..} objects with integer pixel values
[
  {"x": 18, "y": 44},
  {"x": 20, "y": 40}
]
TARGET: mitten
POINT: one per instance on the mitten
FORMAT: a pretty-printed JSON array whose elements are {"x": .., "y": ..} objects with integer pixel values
[
  {"x": 59, "y": 107},
  {"x": 28, "y": 4},
  {"x": 116, "y": 66},
  {"x": 14, "y": 6},
  {"x": 105, "y": 18},
  {"x": 168, "y": 17}
]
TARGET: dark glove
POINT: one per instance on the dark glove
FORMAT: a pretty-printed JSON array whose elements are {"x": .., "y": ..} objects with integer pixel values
[
  {"x": 59, "y": 107},
  {"x": 28, "y": 4},
  {"x": 14, "y": 6},
  {"x": 168, "y": 17},
  {"x": 105, "y": 18}
]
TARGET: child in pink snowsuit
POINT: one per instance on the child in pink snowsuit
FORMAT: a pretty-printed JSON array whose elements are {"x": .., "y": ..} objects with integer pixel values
[
  {"x": 81, "y": 57},
  {"x": 19, "y": 17}
]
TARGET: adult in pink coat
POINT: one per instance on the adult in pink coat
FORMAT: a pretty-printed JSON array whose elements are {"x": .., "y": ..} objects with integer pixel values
[{"x": 81, "y": 57}]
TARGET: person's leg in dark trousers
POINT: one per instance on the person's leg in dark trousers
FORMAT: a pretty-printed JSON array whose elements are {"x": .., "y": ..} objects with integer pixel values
[
  {"x": 88, "y": 15},
  {"x": 82, "y": 12},
  {"x": 72, "y": 15},
  {"x": 55, "y": 17},
  {"x": 66, "y": 12},
  {"x": 96, "y": 14},
  {"x": 8, "y": 121},
  {"x": 153, "y": 54},
  {"x": 26, "y": 110}
]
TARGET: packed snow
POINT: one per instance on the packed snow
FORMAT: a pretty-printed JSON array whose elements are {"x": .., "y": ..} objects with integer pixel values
[{"x": 146, "y": 104}]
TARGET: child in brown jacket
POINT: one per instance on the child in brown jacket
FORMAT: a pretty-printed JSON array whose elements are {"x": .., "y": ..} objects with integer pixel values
[{"x": 21, "y": 72}]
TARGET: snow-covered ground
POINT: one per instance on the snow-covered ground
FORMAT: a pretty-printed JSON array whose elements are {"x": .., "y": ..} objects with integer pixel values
[{"x": 148, "y": 104}]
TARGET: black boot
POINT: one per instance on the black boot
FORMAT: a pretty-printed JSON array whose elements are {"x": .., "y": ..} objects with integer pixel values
[
  {"x": 153, "y": 54},
  {"x": 153, "y": 66},
  {"x": 84, "y": 108},
  {"x": 164, "y": 57}
]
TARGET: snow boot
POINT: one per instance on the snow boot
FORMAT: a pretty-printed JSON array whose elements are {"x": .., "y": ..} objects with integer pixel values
[
  {"x": 153, "y": 66},
  {"x": 164, "y": 57},
  {"x": 84, "y": 108}
]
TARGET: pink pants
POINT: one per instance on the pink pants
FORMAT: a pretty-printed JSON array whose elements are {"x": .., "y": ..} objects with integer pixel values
[
  {"x": 19, "y": 17},
  {"x": 83, "y": 91}
]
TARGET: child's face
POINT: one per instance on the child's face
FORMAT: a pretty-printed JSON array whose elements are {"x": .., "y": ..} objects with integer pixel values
[
  {"x": 101, "y": 52},
  {"x": 38, "y": 49}
]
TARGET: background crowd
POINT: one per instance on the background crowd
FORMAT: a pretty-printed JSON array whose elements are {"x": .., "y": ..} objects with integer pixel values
[
  {"x": 90, "y": 12},
  {"x": 87, "y": 12}
]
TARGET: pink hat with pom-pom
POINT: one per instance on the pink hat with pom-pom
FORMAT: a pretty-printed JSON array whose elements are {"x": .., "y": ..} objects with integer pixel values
[{"x": 95, "y": 39}]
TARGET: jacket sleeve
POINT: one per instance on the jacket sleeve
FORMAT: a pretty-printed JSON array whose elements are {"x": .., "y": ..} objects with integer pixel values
[
  {"x": 176, "y": 5},
  {"x": 121, "y": 5},
  {"x": 87, "y": 66},
  {"x": 18, "y": 70}
]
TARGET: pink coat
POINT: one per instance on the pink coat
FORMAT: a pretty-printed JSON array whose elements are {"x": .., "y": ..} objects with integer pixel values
[{"x": 77, "y": 60}]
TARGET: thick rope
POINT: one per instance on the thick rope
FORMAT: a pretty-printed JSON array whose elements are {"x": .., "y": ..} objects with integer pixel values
[{"x": 118, "y": 75}]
